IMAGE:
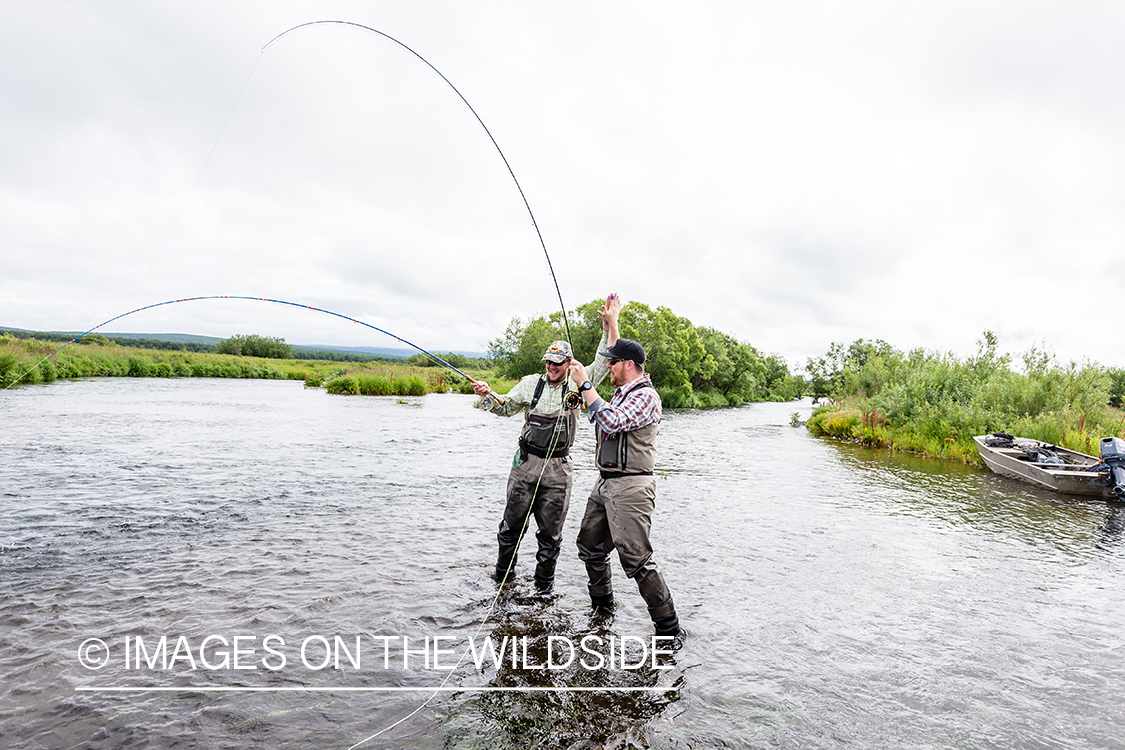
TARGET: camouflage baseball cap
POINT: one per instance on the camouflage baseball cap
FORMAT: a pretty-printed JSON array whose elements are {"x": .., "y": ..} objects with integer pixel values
[{"x": 558, "y": 352}]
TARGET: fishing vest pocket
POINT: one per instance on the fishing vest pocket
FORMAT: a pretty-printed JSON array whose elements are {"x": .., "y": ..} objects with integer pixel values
[
  {"x": 611, "y": 450},
  {"x": 540, "y": 432}
]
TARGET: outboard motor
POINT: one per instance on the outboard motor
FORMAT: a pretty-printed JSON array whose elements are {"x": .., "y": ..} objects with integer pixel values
[{"x": 1113, "y": 456}]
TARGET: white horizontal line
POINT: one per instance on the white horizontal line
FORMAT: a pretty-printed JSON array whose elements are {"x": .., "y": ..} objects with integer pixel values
[{"x": 221, "y": 689}]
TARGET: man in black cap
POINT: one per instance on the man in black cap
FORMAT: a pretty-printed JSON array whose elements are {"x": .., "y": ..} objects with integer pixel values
[
  {"x": 619, "y": 510},
  {"x": 542, "y": 472}
]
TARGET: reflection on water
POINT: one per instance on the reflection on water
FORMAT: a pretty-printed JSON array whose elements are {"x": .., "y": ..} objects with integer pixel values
[{"x": 834, "y": 595}]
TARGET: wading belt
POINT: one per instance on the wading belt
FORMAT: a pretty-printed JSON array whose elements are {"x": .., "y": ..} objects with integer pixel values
[
  {"x": 618, "y": 474},
  {"x": 526, "y": 447}
]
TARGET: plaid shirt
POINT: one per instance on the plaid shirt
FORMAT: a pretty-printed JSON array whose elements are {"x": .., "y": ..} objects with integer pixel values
[
  {"x": 631, "y": 407},
  {"x": 551, "y": 400}
]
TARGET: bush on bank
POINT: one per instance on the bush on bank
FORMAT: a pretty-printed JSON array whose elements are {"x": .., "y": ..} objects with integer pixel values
[{"x": 935, "y": 403}]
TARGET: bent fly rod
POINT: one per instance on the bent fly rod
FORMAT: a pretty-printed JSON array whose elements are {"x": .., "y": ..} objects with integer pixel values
[
  {"x": 534, "y": 223},
  {"x": 432, "y": 356}
]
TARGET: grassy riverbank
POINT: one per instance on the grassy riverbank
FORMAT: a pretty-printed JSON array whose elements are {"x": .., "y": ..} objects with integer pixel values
[
  {"x": 934, "y": 404},
  {"x": 26, "y": 361}
]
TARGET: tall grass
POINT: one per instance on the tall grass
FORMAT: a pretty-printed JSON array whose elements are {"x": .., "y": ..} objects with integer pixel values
[
  {"x": 397, "y": 380},
  {"x": 934, "y": 404}
]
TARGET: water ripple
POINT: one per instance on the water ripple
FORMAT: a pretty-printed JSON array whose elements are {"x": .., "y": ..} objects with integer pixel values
[{"x": 834, "y": 596}]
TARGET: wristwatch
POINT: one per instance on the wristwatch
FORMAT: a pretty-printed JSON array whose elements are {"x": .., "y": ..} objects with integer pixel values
[{"x": 585, "y": 386}]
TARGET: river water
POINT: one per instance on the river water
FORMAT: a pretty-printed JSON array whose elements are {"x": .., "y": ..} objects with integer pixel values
[{"x": 833, "y": 596}]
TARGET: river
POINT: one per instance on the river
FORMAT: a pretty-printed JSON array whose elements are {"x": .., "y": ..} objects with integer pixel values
[{"x": 316, "y": 565}]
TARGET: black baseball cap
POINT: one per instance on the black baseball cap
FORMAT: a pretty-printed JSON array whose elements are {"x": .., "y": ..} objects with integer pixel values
[{"x": 626, "y": 349}]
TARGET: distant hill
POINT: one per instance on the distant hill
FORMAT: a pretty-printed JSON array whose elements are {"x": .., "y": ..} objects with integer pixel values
[{"x": 207, "y": 343}]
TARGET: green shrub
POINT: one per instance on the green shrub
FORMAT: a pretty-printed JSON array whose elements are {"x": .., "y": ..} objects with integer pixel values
[
  {"x": 835, "y": 421},
  {"x": 679, "y": 397},
  {"x": 344, "y": 385},
  {"x": 255, "y": 346},
  {"x": 373, "y": 385},
  {"x": 47, "y": 371},
  {"x": 9, "y": 368},
  {"x": 411, "y": 385},
  {"x": 139, "y": 367}
]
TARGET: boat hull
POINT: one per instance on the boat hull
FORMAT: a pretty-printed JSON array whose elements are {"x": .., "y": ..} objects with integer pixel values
[{"x": 1071, "y": 479}]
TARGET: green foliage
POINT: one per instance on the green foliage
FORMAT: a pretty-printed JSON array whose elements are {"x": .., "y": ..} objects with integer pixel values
[
  {"x": 47, "y": 371},
  {"x": 520, "y": 350},
  {"x": 412, "y": 385},
  {"x": 9, "y": 368},
  {"x": 344, "y": 385},
  {"x": 690, "y": 366},
  {"x": 366, "y": 384},
  {"x": 673, "y": 351},
  {"x": 585, "y": 329},
  {"x": 677, "y": 397},
  {"x": 935, "y": 403},
  {"x": 737, "y": 369},
  {"x": 839, "y": 423},
  {"x": 255, "y": 346},
  {"x": 1116, "y": 387}
]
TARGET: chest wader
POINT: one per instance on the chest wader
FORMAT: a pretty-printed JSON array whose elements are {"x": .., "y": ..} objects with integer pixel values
[
  {"x": 623, "y": 459},
  {"x": 542, "y": 488},
  {"x": 547, "y": 435}
]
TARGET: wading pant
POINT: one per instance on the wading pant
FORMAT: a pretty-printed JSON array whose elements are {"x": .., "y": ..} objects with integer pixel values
[
  {"x": 548, "y": 503},
  {"x": 619, "y": 515}
]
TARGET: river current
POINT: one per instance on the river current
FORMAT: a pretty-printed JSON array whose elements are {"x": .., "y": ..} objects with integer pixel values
[{"x": 251, "y": 564}]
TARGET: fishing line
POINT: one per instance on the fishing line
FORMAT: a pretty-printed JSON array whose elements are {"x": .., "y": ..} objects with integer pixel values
[
  {"x": 238, "y": 100},
  {"x": 527, "y": 518},
  {"x": 492, "y": 605},
  {"x": 530, "y": 213},
  {"x": 523, "y": 197}
]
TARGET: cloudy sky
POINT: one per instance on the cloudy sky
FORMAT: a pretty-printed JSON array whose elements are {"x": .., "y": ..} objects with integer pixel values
[{"x": 791, "y": 173}]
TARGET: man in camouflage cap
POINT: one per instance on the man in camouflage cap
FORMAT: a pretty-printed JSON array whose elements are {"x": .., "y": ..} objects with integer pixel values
[{"x": 542, "y": 472}]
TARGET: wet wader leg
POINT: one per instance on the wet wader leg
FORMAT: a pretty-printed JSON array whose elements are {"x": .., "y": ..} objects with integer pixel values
[
  {"x": 550, "y": 514},
  {"x": 594, "y": 545},
  {"x": 520, "y": 496},
  {"x": 629, "y": 505}
]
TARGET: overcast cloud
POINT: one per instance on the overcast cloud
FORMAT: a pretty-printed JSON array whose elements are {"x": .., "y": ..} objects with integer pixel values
[{"x": 791, "y": 173}]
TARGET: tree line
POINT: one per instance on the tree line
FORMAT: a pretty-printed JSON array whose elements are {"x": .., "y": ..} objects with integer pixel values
[{"x": 690, "y": 366}]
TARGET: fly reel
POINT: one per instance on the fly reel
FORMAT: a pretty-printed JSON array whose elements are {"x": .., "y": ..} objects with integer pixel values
[
  {"x": 489, "y": 400},
  {"x": 573, "y": 400}
]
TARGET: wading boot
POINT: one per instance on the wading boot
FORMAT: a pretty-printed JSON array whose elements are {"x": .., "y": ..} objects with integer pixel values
[
  {"x": 545, "y": 576},
  {"x": 603, "y": 603},
  {"x": 669, "y": 626},
  {"x": 501, "y": 574}
]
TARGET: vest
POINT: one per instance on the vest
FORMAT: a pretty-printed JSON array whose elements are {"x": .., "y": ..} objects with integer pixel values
[
  {"x": 548, "y": 435},
  {"x": 631, "y": 453}
]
